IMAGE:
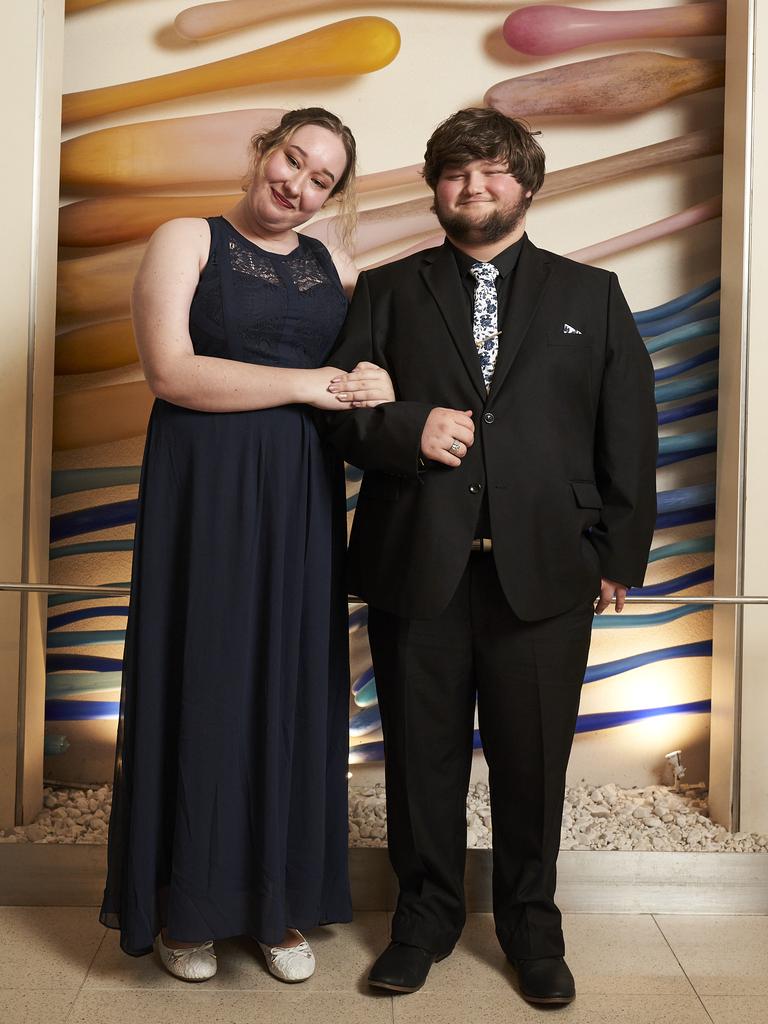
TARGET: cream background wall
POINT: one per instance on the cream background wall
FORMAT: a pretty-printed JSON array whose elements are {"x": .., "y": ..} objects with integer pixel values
[{"x": 448, "y": 59}]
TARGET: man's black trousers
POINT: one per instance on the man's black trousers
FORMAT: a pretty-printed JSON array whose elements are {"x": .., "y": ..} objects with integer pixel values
[{"x": 526, "y": 678}]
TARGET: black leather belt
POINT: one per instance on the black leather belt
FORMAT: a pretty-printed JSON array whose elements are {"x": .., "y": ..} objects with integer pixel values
[{"x": 482, "y": 544}]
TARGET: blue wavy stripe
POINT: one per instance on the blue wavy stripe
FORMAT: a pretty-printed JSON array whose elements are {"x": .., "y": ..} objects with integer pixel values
[
  {"x": 688, "y": 579},
  {"x": 78, "y": 684},
  {"x": 685, "y": 517},
  {"x": 699, "y": 649},
  {"x": 56, "y": 599},
  {"x": 90, "y": 547},
  {"x": 81, "y": 710},
  {"x": 700, "y": 329},
  {"x": 69, "y": 481},
  {"x": 613, "y": 719},
  {"x": 684, "y": 497},
  {"x": 365, "y": 721},
  {"x": 696, "y": 385},
  {"x": 86, "y": 638},
  {"x": 352, "y": 502},
  {"x": 368, "y": 719},
  {"x": 53, "y": 744},
  {"x": 709, "y": 355},
  {"x": 665, "y": 324},
  {"x": 691, "y": 546},
  {"x": 687, "y": 412},
  {"x": 359, "y": 617},
  {"x": 702, "y": 291},
  {"x": 687, "y": 442},
  {"x": 88, "y": 520},
  {"x": 371, "y": 752},
  {"x": 353, "y": 473},
  {"x": 624, "y": 621},
  {"x": 668, "y": 460},
  {"x": 104, "y": 611},
  {"x": 84, "y": 662}
]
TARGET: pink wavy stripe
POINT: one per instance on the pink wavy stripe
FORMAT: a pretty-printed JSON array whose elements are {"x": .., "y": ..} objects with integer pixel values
[{"x": 707, "y": 210}]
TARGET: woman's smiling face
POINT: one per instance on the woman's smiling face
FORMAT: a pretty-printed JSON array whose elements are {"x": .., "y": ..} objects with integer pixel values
[{"x": 297, "y": 179}]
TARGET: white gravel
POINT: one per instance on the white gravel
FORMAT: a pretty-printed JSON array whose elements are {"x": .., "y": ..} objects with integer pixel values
[{"x": 604, "y": 817}]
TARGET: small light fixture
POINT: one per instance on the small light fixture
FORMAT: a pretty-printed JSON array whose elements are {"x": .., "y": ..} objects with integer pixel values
[
  {"x": 349, "y": 775},
  {"x": 675, "y": 761}
]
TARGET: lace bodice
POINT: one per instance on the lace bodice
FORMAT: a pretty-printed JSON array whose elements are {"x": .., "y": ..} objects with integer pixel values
[{"x": 264, "y": 307}]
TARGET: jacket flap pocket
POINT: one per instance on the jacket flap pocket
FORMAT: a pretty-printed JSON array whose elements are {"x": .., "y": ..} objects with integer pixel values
[
  {"x": 381, "y": 485},
  {"x": 586, "y": 494}
]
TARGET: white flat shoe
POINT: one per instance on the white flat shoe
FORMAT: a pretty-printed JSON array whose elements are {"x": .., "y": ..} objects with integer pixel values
[
  {"x": 193, "y": 963},
  {"x": 290, "y": 963}
]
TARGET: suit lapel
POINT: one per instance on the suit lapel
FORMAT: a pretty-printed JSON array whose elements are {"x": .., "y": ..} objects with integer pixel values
[
  {"x": 530, "y": 279},
  {"x": 441, "y": 276}
]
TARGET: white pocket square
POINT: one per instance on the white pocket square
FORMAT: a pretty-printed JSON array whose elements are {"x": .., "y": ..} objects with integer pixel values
[{"x": 567, "y": 329}]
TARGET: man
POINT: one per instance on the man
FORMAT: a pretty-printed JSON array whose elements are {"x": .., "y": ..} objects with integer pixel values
[{"x": 511, "y": 482}]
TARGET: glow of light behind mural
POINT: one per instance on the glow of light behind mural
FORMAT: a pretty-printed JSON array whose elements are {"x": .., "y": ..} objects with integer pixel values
[{"x": 158, "y": 143}]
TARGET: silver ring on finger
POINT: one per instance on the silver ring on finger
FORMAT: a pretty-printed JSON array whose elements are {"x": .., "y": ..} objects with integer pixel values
[{"x": 455, "y": 447}]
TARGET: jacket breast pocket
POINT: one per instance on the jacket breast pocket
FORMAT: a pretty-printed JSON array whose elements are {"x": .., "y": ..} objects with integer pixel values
[
  {"x": 576, "y": 339},
  {"x": 381, "y": 486},
  {"x": 586, "y": 494}
]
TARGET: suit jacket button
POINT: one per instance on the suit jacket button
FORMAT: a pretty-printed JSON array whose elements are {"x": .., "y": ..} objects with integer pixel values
[
  {"x": 475, "y": 488},
  {"x": 488, "y": 417}
]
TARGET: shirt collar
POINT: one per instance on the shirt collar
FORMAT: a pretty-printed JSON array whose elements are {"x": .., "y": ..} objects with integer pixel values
[{"x": 505, "y": 262}]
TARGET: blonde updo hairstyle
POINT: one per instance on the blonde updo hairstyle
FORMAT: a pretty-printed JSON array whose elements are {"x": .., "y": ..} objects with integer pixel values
[{"x": 266, "y": 143}]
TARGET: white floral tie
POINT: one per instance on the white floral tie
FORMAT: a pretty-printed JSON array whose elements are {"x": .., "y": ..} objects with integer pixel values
[{"x": 485, "y": 318}]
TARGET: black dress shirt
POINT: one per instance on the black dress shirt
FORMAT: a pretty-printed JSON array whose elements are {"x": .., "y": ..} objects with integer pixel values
[{"x": 505, "y": 263}]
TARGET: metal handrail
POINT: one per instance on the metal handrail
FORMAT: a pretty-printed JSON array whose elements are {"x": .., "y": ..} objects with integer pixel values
[{"x": 45, "y": 588}]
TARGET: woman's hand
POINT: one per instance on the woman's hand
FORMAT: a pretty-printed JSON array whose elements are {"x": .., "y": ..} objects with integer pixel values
[
  {"x": 364, "y": 387},
  {"x": 313, "y": 389}
]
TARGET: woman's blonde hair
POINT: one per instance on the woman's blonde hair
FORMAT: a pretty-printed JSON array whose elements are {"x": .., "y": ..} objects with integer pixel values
[{"x": 266, "y": 143}]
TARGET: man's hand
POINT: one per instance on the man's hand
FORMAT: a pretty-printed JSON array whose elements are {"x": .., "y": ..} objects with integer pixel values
[
  {"x": 608, "y": 590},
  {"x": 447, "y": 436}
]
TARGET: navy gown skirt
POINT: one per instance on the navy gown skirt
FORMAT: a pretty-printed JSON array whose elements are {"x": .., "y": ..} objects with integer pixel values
[{"x": 230, "y": 804}]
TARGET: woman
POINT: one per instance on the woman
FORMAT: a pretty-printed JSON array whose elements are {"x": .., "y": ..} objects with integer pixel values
[{"x": 230, "y": 804}]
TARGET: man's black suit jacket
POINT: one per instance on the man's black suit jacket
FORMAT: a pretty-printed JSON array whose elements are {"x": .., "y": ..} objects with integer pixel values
[{"x": 565, "y": 441}]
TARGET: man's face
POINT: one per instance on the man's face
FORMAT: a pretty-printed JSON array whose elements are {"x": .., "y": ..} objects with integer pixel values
[{"x": 480, "y": 201}]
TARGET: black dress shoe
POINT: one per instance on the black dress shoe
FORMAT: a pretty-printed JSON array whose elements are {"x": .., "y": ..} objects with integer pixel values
[
  {"x": 402, "y": 968},
  {"x": 545, "y": 981}
]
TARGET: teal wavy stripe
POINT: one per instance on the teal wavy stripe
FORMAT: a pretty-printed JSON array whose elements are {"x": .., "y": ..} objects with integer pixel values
[
  {"x": 90, "y": 547},
  {"x": 695, "y": 385},
  {"x": 686, "y": 442},
  {"x": 56, "y": 599},
  {"x": 86, "y": 638},
  {"x": 609, "y": 620},
  {"x": 693, "y": 546},
  {"x": 679, "y": 303},
  {"x": 69, "y": 481},
  {"x": 73, "y": 684},
  {"x": 699, "y": 329}
]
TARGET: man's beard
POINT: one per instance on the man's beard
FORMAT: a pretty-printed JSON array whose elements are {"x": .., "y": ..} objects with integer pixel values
[{"x": 497, "y": 225}]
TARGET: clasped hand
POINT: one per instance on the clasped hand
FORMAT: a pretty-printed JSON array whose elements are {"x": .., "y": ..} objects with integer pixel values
[{"x": 364, "y": 387}]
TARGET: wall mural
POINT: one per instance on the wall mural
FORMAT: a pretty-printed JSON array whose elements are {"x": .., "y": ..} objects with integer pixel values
[{"x": 121, "y": 181}]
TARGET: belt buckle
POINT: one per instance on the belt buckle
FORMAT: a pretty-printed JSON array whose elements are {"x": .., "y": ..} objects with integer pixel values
[{"x": 482, "y": 544}]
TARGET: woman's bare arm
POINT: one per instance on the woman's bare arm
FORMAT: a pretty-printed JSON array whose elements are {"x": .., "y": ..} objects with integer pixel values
[{"x": 161, "y": 299}]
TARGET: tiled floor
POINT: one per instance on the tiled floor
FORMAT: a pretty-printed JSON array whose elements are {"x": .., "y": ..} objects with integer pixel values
[{"x": 59, "y": 965}]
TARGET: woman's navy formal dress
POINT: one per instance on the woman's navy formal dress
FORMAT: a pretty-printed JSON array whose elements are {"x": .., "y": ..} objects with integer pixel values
[{"x": 230, "y": 805}]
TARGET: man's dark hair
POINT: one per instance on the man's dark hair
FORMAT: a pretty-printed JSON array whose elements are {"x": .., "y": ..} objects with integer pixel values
[{"x": 481, "y": 133}]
